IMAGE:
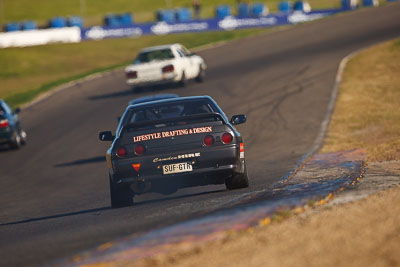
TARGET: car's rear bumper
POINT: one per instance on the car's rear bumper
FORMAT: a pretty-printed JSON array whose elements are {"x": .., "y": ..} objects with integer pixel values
[
  {"x": 5, "y": 136},
  {"x": 211, "y": 172},
  {"x": 210, "y": 167},
  {"x": 166, "y": 184},
  {"x": 166, "y": 78}
]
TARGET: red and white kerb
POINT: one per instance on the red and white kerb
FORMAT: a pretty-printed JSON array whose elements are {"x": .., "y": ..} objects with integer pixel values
[{"x": 241, "y": 150}]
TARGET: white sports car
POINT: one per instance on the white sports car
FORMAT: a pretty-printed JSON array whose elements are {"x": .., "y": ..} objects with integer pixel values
[{"x": 165, "y": 64}]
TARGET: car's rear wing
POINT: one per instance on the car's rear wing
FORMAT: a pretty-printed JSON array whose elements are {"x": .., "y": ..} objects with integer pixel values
[{"x": 196, "y": 117}]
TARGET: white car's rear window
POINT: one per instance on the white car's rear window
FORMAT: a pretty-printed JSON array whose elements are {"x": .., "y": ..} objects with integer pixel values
[{"x": 148, "y": 56}]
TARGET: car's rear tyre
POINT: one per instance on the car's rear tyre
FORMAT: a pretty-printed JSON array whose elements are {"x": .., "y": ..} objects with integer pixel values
[
  {"x": 238, "y": 180},
  {"x": 182, "y": 82},
  {"x": 16, "y": 141},
  {"x": 121, "y": 195},
  {"x": 200, "y": 77}
]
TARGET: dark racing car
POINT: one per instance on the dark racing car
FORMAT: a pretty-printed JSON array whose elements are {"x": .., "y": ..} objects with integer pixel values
[{"x": 161, "y": 146}]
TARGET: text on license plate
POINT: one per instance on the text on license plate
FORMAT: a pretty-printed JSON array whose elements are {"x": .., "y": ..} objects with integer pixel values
[{"x": 177, "y": 168}]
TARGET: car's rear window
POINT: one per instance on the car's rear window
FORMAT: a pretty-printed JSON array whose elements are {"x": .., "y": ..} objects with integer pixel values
[
  {"x": 1, "y": 110},
  {"x": 170, "y": 110},
  {"x": 148, "y": 56}
]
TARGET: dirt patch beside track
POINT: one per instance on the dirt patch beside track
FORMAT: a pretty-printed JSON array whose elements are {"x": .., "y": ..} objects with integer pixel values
[{"x": 362, "y": 233}]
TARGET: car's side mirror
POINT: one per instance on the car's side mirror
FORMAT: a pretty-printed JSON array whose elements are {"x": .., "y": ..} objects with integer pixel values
[
  {"x": 238, "y": 119},
  {"x": 106, "y": 136},
  {"x": 17, "y": 110}
]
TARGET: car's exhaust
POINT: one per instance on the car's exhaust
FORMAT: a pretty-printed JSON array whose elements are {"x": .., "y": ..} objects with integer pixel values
[{"x": 141, "y": 187}]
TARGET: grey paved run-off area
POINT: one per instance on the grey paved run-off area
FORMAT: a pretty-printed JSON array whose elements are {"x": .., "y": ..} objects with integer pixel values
[
  {"x": 378, "y": 176},
  {"x": 54, "y": 192}
]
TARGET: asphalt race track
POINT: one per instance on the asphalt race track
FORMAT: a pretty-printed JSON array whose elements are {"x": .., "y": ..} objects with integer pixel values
[{"x": 54, "y": 194}]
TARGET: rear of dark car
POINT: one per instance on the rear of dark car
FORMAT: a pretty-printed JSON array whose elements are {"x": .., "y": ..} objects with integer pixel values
[
  {"x": 159, "y": 156},
  {"x": 186, "y": 143}
]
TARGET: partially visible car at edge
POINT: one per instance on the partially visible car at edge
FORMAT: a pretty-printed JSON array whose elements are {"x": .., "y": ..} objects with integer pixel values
[
  {"x": 11, "y": 132},
  {"x": 161, "y": 146},
  {"x": 165, "y": 64}
]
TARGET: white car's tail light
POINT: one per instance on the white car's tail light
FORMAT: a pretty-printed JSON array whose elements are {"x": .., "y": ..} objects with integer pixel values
[
  {"x": 168, "y": 68},
  {"x": 131, "y": 74}
]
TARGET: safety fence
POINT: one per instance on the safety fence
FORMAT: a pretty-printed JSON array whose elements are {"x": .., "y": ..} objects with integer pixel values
[
  {"x": 224, "y": 22},
  {"x": 77, "y": 34}
]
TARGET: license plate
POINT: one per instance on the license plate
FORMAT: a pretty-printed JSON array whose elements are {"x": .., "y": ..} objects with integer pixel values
[{"x": 177, "y": 168}]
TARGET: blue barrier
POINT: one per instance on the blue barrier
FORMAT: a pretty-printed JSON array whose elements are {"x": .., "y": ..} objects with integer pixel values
[
  {"x": 166, "y": 15},
  {"x": 243, "y": 10},
  {"x": 370, "y": 2},
  {"x": 75, "y": 21},
  {"x": 226, "y": 24},
  {"x": 58, "y": 22},
  {"x": 349, "y": 4},
  {"x": 183, "y": 14},
  {"x": 28, "y": 25},
  {"x": 125, "y": 19},
  {"x": 255, "y": 10},
  {"x": 111, "y": 20},
  {"x": 301, "y": 6},
  {"x": 285, "y": 6},
  {"x": 12, "y": 27},
  {"x": 223, "y": 11},
  {"x": 259, "y": 10}
]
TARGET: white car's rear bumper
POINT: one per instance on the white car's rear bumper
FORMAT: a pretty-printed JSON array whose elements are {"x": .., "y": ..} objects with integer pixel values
[{"x": 165, "y": 78}]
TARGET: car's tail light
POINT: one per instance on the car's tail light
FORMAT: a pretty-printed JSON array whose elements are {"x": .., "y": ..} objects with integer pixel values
[
  {"x": 121, "y": 152},
  {"x": 226, "y": 138},
  {"x": 4, "y": 123},
  {"x": 168, "y": 68},
  {"x": 208, "y": 140},
  {"x": 140, "y": 149},
  {"x": 131, "y": 74}
]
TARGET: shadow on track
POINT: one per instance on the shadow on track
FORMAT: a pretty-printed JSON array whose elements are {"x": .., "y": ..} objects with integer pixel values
[
  {"x": 56, "y": 216},
  {"x": 147, "y": 202},
  {"x": 111, "y": 95},
  {"x": 139, "y": 90},
  {"x": 166, "y": 198},
  {"x": 81, "y": 161},
  {"x": 4, "y": 148}
]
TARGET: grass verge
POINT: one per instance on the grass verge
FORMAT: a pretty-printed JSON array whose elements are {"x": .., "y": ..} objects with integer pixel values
[
  {"x": 27, "y": 72},
  {"x": 29, "y": 95},
  {"x": 367, "y": 112}
]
